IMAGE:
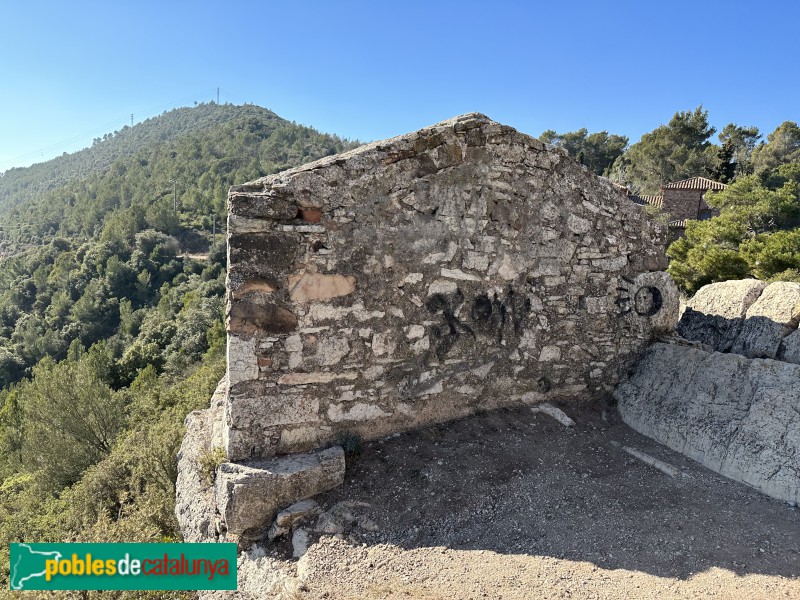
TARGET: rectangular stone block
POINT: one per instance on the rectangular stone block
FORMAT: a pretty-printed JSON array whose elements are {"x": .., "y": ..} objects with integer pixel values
[{"x": 249, "y": 495}]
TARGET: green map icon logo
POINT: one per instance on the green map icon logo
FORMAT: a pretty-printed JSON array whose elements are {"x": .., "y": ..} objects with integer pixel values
[{"x": 29, "y": 564}]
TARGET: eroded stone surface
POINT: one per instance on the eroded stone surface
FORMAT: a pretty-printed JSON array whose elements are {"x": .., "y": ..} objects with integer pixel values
[
  {"x": 248, "y": 496},
  {"x": 715, "y": 314},
  {"x": 729, "y": 299},
  {"x": 773, "y": 316},
  {"x": 790, "y": 348},
  {"x": 736, "y": 416},
  {"x": 459, "y": 268},
  {"x": 746, "y": 317},
  {"x": 194, "y": 502}
]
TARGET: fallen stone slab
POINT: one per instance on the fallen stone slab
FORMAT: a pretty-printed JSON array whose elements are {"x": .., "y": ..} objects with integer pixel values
[
  {"x": 654, "y": 462},
  {"x": 736, "y": 416},
  {"x": 249, "y": 495},
  {"x": 554, "y": 412}
]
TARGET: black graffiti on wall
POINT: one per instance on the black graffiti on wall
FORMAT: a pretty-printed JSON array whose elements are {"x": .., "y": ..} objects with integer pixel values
[
  {"x": 645, "y": 301},
  {"x": 446, "y": 335},
  {"x": 497, "y": 312},
  {"x": 490, "y": 315}
]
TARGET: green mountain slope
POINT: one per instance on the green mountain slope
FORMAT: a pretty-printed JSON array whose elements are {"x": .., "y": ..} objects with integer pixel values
[
  {"x": 19, "y": 185},
  {"x": 110, "y": 330},
  {"x": 133, "y": 179}
]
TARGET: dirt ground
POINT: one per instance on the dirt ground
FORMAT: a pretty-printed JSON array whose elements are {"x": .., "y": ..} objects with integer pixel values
[{"x": 515, "y": 505}]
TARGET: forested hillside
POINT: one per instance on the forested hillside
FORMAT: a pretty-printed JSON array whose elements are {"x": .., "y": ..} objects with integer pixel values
[
  {"x": 136, "y": 178},
  {"x": 111, "y": 307}
]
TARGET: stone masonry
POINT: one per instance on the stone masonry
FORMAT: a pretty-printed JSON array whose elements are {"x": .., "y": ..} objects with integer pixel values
[
  {"x": 687, "y": 204},
  {"x": 419, "y": 279}
]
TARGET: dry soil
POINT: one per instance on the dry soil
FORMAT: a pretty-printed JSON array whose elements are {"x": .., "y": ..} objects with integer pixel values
[{"x": 515, "y": 505}]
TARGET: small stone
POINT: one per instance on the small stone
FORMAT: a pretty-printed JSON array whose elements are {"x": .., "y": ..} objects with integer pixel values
[
  {"x": 307, "y": 378},
  {"x": 314, "y": 286},
  {"x": 328, "y": 524},
  {"x": 312, "y": 215},
  {"x": 300, "y": 541},
  {"x": 368, "y": 525},
  {"x": 297, "y": 512},
  {"x": 248, "y": 318},
  {"x": 275, "y": 531},
  {"x": 550, "y": 353},
  {"x": 459, "y": 274},
  {"x": 555, "y": 412},
  {"x": 578, "y": 224},
  {"x": 383, "y": 343}
]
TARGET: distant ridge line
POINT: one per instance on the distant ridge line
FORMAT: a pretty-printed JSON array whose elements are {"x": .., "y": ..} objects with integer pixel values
[{"x": 90, "y": 134}]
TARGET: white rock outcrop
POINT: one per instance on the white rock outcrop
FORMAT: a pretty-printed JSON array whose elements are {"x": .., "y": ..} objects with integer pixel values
[
  {"x": 737, "y": 416},
  {"x": 746, "y": 317}
]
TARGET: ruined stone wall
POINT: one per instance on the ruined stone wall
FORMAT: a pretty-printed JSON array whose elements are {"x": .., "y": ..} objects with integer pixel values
[{"x": 419, "y": 279}]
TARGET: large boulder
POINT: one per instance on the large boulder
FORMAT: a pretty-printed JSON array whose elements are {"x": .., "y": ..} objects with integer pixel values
[
  {"x": 736, "y": 416},
  {"x": 746, "y": 317},
  {"x": 715, "y": 314},
  {"x": 772, "y": 317}
]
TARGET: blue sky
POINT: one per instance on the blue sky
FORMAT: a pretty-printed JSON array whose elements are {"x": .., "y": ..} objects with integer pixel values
[{"x": 72, "y": 71}]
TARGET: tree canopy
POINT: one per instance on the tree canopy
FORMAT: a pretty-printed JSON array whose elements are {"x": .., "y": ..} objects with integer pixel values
[
  {"x": 757, "y": 233},
  {"x": 678, "y": 150},
  {"x": 597, "y": 151}
]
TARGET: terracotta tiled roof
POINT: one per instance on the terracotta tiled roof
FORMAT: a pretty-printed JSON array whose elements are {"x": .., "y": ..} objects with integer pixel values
[
  {"x": 695, "y": 183},
  {"x": 653, "y": 199}
]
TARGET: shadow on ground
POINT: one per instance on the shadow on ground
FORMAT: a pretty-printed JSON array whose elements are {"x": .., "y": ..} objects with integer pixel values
[{"x": 519, "y": 483}]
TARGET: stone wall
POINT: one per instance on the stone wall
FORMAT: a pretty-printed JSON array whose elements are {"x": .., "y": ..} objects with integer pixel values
[
  {"x": 686, "y": 204},
  {"x": 460, "y": 268}
]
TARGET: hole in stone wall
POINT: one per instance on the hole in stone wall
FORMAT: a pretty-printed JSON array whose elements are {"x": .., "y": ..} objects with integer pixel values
[
  {"x": 543, "y": 385},
  {"x": 648, "y": 301},
  {"x": 310, "y": 215}
]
